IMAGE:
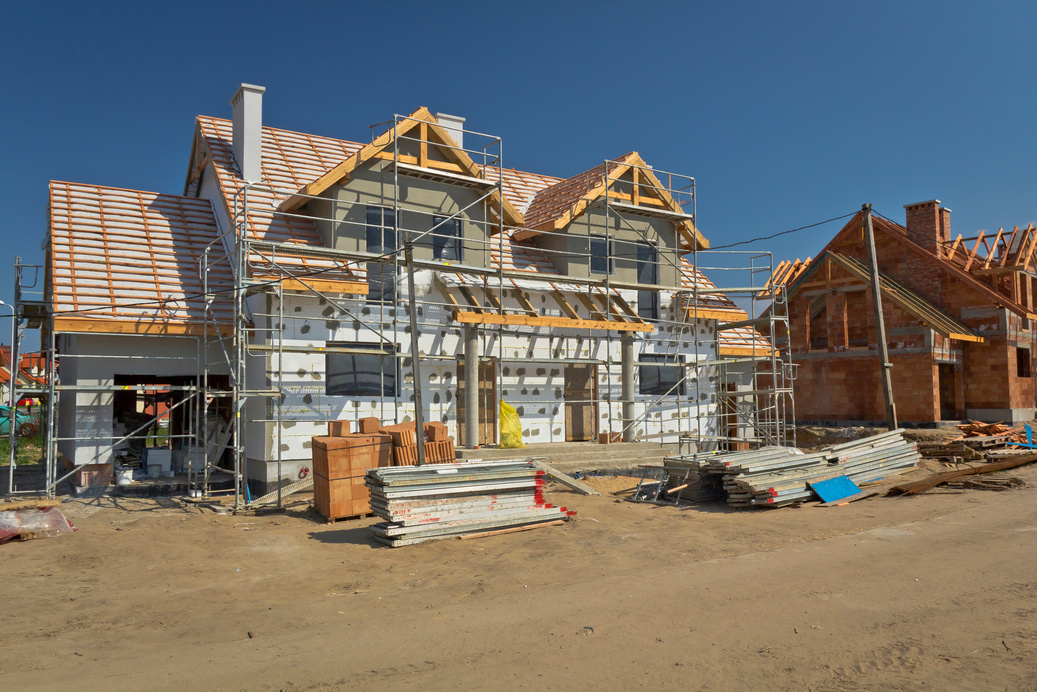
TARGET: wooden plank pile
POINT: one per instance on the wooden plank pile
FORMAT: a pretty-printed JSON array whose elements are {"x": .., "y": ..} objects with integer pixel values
[
  {"x": 979, "y": 435},
  {"x": 423, "y": 503},
  {"x": 777, "y": 476}
]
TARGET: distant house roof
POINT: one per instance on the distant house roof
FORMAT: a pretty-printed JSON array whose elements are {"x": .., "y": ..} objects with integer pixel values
[{"x": 127, "y": 256}]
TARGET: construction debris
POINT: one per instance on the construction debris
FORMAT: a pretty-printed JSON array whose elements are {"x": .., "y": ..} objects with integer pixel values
[
  {"x": 778, "y": 476},
  {"x": 422, "y": 503},
  {"x": 567, "y": 480},
  {"x": 941, "y": 478},
  {"x": 26, "y": 524}
]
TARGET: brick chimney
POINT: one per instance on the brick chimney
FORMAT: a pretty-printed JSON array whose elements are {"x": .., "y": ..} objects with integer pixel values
[
  {"x": 929, "y": 225},
  {"x": 247, "y": 140}
]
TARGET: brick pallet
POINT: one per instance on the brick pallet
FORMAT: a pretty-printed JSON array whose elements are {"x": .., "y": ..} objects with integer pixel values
[{"x": 339, "y": 467}]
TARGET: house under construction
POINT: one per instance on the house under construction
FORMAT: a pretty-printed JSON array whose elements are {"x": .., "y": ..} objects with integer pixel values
[{"x": 301, "y": 279}]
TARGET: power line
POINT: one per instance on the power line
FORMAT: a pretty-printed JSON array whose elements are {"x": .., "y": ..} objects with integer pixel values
[{"x": 794, "y": 230}]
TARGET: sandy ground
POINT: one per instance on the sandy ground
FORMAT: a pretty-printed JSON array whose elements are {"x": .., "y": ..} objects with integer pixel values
[{"x": 934, "y": 592}]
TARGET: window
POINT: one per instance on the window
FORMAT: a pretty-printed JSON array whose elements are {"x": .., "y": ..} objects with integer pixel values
[
  {"x": 818, "y": 324},
  {"x": 360, "y": 374},
  {"x": 647, "y": 273},
  {"x": 1022, "y": 362},
  {"x": 601, "y": 255},
  {"x": 665, "y": 378},
  {"x": 381, "y": 239},
  {"x": 446, "y": 239}
]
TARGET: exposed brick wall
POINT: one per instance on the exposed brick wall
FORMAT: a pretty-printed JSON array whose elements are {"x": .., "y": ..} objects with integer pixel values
[{"x": 844, "y": 387}]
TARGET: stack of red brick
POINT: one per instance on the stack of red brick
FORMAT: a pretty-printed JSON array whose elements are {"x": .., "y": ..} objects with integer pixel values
[
  {"x": 341, "y": 460},
  {"x": 439, "y": 448},
  {"x": 339, "y": 467}
]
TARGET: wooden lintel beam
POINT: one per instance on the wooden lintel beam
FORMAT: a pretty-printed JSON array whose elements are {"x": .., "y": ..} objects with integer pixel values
[
  {"x": 544, "y": 321},
  {"x": 325, "y": 286},
  {"x": 128, "y": 326}
]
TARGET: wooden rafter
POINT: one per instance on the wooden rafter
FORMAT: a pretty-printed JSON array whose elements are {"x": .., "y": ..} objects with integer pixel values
[
  {"x": 593, "y": 309},
  {"x": 523, "y": 299}
]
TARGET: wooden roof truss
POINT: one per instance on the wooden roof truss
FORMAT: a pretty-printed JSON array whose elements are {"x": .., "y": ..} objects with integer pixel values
[
  {"x": 820, "y": 280},
  {"x": 996, "y": 254}
]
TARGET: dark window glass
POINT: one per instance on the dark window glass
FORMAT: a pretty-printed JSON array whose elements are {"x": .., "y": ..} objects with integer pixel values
[
  {"x": 381, "y": 239},
  {"x": 662, "y": 378},
  {"x": 446, "y": 239},
  {"x": 360, "y": 374},
  {"x": 647, "y": 273},
  {"x": 601, "y": 256}
]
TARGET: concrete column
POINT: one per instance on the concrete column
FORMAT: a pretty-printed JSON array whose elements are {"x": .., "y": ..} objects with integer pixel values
[
  {"x": 626, "y": 355},
  {"x": 471, "y": 387}
]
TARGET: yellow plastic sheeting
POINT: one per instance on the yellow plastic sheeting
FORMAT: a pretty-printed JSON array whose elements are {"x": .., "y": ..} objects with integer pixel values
[{"x": 510, "y": 427}]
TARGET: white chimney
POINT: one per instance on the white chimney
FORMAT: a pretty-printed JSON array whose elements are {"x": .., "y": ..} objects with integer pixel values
[
  {"x": 248, "y": 130},
  {"x": 453, "y": 124}
]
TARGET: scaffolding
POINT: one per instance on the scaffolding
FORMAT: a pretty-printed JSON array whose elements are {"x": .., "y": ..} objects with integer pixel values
[{"x": 489, "y": 282}]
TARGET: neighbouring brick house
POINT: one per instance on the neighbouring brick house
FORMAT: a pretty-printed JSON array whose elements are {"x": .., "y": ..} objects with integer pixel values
[{"x": 957, "y": 313}]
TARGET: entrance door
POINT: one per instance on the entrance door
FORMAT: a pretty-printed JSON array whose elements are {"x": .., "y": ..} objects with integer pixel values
[
  {"x": 487, "y": 404},
  {"x": 580, "y": 408},
  {"x": 948, "y": 404}
]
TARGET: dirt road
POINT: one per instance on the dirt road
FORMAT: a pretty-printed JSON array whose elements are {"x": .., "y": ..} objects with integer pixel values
[{"x": 935, "y": 592}]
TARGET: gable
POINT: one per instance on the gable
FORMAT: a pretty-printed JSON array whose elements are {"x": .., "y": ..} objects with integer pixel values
[
  {"x": 892, "y": 238},
  {"x": 832, "y": 271},
  {"x": 419, "y": 141},
  {"x": 627, "y": 183}
]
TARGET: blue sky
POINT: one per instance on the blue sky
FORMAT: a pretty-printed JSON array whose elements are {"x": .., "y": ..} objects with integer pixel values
[{"x": 785, "y": 113}]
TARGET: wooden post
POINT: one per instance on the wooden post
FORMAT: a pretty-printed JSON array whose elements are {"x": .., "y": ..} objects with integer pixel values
[
  {"x": 415, "y": 368},
  {"x": 880, "y": 324}
]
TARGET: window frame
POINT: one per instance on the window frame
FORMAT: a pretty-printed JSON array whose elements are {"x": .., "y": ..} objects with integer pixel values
[
  {"x": 381, "y": 239},
  {"x": 657, "y": 364},
  {"x": 648, "y": 301},
  {"x": 608, "y": 254},
  {"x": 441, "y": 242},
  {"x": 388, "y": 384}
]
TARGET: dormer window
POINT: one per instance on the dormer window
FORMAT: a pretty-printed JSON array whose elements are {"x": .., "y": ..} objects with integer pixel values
[{"x": 446, "y": 238}]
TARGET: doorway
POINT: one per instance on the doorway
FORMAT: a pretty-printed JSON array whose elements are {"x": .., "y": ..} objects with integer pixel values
[
  {"x": 581, "y": 409},
  {"x": 487, "y": 404},
  {"x": 948, "y": 401}
]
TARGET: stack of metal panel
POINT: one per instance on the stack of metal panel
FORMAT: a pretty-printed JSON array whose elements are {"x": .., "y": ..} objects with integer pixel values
[
  {"x": 421, "y": 503},
  {"x": 779, "y": 476}
]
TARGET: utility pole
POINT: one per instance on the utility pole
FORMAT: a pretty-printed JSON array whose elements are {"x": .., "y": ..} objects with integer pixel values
[
  {"x": 880, "y": 324},
  {"x": 419, "y": 416}
]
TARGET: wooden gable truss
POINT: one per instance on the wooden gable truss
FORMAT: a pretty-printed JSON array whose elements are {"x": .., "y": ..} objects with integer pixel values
[
  {"x": 458, "y": 167},
  {"x": 647, "y": 195}
]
